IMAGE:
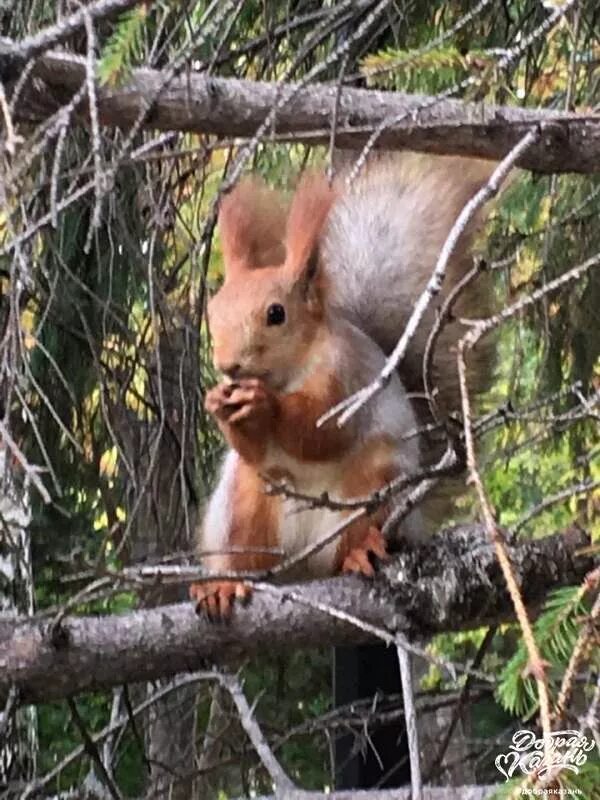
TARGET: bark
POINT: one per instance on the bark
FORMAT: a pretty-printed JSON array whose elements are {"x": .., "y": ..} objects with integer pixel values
[
  {"x": 18, "y": 726},
  {"x": 429, "y": 793},
  {"x": 34, "y": 45},
  {"x": 453, "y": 582},
  {"x": 236, "y": 108}
]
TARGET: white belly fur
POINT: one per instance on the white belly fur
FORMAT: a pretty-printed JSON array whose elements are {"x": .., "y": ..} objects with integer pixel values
[{"x": 301, "y": 526}]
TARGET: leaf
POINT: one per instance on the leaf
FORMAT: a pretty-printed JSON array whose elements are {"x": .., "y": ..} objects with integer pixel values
[
  {"x": 115, "y": 64},
  {"x": 424, "y": 69},
  {"x": 555, "y": 631}
]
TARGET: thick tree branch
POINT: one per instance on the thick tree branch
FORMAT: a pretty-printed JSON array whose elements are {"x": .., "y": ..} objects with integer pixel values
[
  {"x": 236, "y": 108},
  {"x": 452, "y": 582}
]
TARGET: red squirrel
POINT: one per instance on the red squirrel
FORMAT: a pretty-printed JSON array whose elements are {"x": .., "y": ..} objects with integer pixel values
[{"x": 315, "y": 295}]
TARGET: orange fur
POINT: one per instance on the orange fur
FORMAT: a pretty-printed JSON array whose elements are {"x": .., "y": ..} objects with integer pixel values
[
  {"x": 311, "y": 205},
  {"x": 254, "y": 526},
  {"x": 245, "y": 413},
  {"x": 370, "y": 468},
  {"x": 255, "y": 523},
  {"x": 288, "y": 421},
  {"x": 295, "y": 426},
  {"x": 252, "y": 226},
  {"x": 358, "y": 558}
]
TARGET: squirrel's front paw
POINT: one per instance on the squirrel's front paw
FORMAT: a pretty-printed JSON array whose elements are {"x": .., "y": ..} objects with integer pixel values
[
  {"x": 215, "y": 598},
  {"x": 246, "y": 400},
  {"x": 218, "y": 401}
]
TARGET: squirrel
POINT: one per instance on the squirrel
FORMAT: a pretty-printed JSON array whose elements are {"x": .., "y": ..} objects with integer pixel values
[{"x": 315, "y": 296}]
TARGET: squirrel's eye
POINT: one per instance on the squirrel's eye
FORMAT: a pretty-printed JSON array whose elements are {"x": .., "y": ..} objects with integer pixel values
[{"x": 275, "y": 314}]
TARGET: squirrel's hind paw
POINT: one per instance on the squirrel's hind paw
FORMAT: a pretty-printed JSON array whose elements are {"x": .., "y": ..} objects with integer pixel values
[
  {"x": 215, "y": 599},
  {"x": 358, "y": 558}
]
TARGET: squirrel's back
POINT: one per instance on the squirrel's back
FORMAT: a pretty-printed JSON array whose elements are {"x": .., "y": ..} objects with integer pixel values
[{"x": 380, "y": 246}]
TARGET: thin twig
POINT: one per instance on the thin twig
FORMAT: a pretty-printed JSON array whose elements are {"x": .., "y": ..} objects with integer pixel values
[
  {"x": 440, "y": 320},
  {"x": 582, "y": 487},
  {"x": 38, "y": 783},
  {"x": 33, "y": 46},
  {"x": 11, "y": 139},
  {"x": 92, "y": 750},
  {"x": 536, "y": 664},
  {"x": 446, "y": 464},
  {"x": 7, "y": 713},
  {"x": 248, "y": 721},
  {"x": 90, "y": 82},
  {"x": 582, "y": 645},
  {"x": 438, "y": 758},
  {"x": 334, "y": 118},
  {"x": 390, "y": 638},
  {"x": 410, "y": 718},
  {"x": 370, "y": 502},
  {"x": 30, "y": 470}
]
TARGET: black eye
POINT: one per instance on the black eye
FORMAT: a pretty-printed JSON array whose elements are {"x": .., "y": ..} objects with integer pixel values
[{"x": 275, "y": 314}]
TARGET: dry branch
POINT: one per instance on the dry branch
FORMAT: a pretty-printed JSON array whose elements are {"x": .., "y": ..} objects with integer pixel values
[
  {"x": 450, "y": 583},
  {"x": 32, "y": 46},
  {"x": 429, "y": 793},
  {"x": 236, "y": 108}
]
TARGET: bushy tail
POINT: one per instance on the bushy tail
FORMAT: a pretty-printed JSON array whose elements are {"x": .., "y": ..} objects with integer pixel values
[{"x": 383, "y": 238}]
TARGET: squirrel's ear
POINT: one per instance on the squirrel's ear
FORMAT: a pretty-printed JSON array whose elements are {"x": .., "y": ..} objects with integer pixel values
[
  {"x": 311, "y": 204},
  {"x": 252, "y": 226}
]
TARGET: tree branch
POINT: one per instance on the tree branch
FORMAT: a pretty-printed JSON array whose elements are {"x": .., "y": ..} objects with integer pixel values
[
  {"x": 451, "y": 582},
  {"x": 429, "y": 793},
  {"x": 32, "y": 46},
  {"x": 236, "y": 108}
]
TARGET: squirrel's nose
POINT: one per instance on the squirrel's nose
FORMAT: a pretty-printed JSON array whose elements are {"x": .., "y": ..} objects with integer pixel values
[{"x": 231, "y": 370}]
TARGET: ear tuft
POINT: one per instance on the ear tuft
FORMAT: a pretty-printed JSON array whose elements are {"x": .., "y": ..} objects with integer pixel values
[
  {"x": 252, "y": 226},
  {"x": 308, "y": 213}
]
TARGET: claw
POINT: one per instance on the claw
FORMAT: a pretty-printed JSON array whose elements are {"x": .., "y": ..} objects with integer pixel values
[
  {"x": 215, "y": 599},
  {"x": 358, "y": 561},
  {"x": 233, "y": 403}
]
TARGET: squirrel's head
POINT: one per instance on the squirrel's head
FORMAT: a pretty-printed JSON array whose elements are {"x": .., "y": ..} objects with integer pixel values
[{"x": 269, "y": 311}]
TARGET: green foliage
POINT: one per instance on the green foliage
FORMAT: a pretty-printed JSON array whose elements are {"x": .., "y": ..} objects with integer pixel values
[
  {"x": 426, "y": 70},
  {"x": 58, "y": 737},
  {"x": 556, "y": 631},
  {"x": 543, "y": 352},
  {"x": 123, "y": 48},
  {"x": 454, "y": 647},
  {"x": 583, "y": 785},
  {"x": 587, "y": 780}
]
